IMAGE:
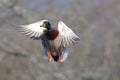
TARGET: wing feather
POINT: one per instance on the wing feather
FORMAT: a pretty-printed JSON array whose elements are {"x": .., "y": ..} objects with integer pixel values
[
  {"x": 68, "y": 36},
  {"x": 33, "y": 30}
]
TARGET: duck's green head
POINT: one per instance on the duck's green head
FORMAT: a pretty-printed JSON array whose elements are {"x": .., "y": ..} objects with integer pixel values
[{"x": 46, "y": 24}]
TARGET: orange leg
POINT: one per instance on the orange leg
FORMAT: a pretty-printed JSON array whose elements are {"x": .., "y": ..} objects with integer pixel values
[
  {"x": 49, "y": 55},
  {"x": 59, "y": 57}
]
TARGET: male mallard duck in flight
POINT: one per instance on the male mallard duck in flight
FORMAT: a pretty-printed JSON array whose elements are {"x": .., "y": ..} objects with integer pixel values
[{"x": 54, "y": 40}]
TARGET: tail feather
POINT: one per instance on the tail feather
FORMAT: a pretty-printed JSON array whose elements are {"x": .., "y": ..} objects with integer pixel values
[{"x": 63, "y": 57}]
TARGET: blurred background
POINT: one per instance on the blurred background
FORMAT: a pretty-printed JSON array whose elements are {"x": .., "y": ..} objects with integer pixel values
[{"x": 95, "y": 57}]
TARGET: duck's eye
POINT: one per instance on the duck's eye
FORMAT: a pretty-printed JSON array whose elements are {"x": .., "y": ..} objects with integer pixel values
[{"x": 45, "y": 23}]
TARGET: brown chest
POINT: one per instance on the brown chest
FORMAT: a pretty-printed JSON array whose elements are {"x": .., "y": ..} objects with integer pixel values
[{"x": 52, "y": 34}]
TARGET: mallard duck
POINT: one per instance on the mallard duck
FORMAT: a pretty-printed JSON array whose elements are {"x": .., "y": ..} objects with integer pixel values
[{"x": 54, "y": 41}]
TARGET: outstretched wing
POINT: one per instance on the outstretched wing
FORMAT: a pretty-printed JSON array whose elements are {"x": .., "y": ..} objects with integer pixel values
[
  {"x": 33, "y": 30},
  {"x": 68, "y": 36}
]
